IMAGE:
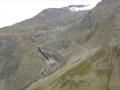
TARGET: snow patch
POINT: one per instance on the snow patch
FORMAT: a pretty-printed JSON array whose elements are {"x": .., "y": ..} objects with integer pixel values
[
  {"x": 89, "y": 7},
  {"x": 75, "y": 8}
]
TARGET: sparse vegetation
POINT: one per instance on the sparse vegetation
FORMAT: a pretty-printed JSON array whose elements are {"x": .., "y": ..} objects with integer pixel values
[{"x": 60, "y": 35}]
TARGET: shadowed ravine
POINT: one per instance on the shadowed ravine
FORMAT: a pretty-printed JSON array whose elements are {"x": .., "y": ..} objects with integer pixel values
[
  {"x": 46, "y": 57},
  {"x": 50, "y": 64}
]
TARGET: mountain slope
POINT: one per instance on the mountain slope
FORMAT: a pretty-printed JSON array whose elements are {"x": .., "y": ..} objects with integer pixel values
[
  {"x": 98, "y": 72},
  {"x": 21, "y": 63},
  {"x": 97, "y": 68}
]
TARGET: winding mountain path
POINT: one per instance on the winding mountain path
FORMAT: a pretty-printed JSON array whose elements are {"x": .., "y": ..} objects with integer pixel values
[
  {"x": 85, "y": 48},
  {"x": 59, "y": 72}
]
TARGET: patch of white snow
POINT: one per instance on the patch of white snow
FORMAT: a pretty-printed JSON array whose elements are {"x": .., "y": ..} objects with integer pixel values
[{"x": 89, "y": 7}]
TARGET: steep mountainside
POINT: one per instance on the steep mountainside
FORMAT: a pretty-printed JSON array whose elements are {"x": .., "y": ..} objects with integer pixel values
[
  {"x": 21, "y": 62},
  {"x": 78, "y": 50},
  {"x": 92, "y": 55}
]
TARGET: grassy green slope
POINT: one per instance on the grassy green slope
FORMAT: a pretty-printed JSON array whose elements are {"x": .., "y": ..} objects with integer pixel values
[{"x": 98, "y": 72}]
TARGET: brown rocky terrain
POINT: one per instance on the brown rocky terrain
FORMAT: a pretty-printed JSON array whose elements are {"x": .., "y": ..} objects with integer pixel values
[
  {"x": 83, "y": 48},
  {"x": 21, "y": 63},
  {"x": 93, "y": 51}
]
